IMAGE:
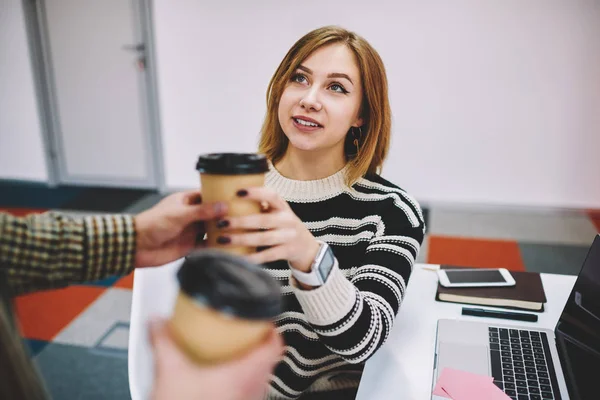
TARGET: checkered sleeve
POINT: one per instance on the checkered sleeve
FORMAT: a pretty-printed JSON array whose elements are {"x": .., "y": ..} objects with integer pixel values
[{"x": 53, "y": 250}]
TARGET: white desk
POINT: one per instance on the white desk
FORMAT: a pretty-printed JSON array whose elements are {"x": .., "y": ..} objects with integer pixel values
[
  {"x": 401, "y": 369},
  {"x": 154, "y": 293}
]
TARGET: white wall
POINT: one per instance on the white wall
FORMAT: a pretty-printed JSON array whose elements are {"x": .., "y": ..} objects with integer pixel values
[
  {"x": 21, "y": 147},
  {"x": 493, "y": 101}
]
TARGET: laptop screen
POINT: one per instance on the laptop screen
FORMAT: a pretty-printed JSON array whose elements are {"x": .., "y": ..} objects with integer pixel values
[{"x": 578, "y": 330}]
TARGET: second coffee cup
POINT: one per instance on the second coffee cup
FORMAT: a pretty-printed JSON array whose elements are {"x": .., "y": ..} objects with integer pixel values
[
  {"x": 225, "y": 306},
  {"x": 222, "y": 175}
]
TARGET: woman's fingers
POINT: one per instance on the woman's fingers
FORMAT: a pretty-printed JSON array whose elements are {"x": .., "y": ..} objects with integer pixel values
[
  {"x": 264, "y": 195},
  {"x": 257, "y": 239},
  {"x": 256, "y": 221},
  {"x": 268, "y": 255}
]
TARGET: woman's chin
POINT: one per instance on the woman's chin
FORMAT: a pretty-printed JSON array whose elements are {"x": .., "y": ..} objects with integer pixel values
[{"x": 304, "y": 145}]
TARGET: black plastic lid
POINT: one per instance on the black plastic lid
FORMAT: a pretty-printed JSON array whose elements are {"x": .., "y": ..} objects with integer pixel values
[
  {"x": 232, "y": 163},
  {"x": 230, "y": 284}
]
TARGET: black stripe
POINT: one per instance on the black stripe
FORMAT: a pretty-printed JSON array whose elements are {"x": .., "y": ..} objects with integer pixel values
[
  {"x": 104, "y": 260},
  {"x": 86, "y": 246},
  {"x": 129, "y": 246}
]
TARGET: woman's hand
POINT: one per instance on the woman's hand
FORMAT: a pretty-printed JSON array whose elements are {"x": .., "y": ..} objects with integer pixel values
[{"x": 277, "y": 227}]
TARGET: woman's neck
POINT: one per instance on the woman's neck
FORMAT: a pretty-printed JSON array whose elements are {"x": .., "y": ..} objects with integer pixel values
[{"x": 306, "y": 166}]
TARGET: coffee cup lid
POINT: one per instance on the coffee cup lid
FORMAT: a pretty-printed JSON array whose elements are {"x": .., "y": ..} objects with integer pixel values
[
  {"x": 232, "y": 163},
  {"x": 230, "y": 284}
]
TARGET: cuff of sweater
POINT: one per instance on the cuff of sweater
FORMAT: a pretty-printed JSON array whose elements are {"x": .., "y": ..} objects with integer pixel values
[
  {"x": 329, "y": 303},
  {"x": 109, "y": 246}
]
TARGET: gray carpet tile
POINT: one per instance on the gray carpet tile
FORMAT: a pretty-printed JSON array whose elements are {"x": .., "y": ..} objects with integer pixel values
[
  {"x": 557, "y": 259},
  {"x": 81, "y": 373}
]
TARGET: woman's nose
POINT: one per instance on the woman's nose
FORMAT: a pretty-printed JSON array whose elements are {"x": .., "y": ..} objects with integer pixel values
[{"x": 310, "y": 100}]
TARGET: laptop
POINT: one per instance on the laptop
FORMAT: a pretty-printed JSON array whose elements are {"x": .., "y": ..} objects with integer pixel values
[{"x": 530, "y": 363}]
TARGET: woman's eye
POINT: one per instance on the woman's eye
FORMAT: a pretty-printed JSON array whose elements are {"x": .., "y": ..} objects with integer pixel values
[
  {"x": 299, "y": 78},
  {"x": 338, "y": 88}
]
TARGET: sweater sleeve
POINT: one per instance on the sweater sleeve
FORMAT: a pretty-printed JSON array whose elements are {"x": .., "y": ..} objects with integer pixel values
[
  {"x": 353, "y": 318},
  {"x": 53, "y": 250}
]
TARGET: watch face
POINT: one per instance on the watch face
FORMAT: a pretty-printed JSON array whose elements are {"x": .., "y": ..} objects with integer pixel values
[{"x": 326, "y": 264}]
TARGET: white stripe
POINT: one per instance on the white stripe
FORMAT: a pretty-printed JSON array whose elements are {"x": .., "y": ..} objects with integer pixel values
[
  {"x": 384, "y": 307},
  {"x": 309, "y": 361},
  {"x": 381, "y": 270},
  {"x": 346, "y": 239},
  {"x": 372, "y": 342},
  {"x": 285, "y": 387},
  {"x": 293, "y": 327},
  {"x": 310, "y": 373},
  {"x": 278, "y": 273},
  {"x": 378, "y": 197},
  {"x": 343, "y": 223},
  {"x": 293, "y": 315},
  {"x": 350, "y": 272},
  {"x": 401, "y": 239},
  {"x": 380, "y": 229},
  {"x": 393, "y": 249},
  {"x": 286, "y": 289},
  {"x": 374, "y": 185},
  {"x": 274, "y": 394}
]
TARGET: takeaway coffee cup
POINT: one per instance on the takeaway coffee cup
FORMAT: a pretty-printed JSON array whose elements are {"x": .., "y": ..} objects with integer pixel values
[
  {"x": 225, "y": 306},
  {"x": 222, "y": 175}
]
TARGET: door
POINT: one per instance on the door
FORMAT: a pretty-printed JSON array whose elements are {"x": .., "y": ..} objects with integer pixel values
[{"x": 99, "y": 100}]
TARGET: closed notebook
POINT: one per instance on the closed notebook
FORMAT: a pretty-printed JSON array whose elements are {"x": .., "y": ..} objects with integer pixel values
[{"x": 527, "y": 294}]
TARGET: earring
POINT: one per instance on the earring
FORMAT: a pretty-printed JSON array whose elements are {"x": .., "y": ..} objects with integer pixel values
[{"x": 356, "y": 141}]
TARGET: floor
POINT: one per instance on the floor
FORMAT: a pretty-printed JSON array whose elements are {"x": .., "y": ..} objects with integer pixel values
[{"x": 78, "y": 335}]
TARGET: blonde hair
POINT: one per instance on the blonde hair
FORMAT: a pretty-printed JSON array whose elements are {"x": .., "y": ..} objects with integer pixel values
[{"x": 375, "y": 107}]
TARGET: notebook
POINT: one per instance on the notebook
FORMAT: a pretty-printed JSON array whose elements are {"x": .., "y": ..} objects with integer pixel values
[{"x": 527, "y": 294}]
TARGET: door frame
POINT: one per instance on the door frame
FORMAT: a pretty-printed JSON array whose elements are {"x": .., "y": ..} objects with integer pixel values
[{"x": 41, "y": 58}]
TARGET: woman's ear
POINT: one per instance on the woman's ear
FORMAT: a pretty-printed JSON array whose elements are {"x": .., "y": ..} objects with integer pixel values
[{"x": 358, "y": 123}]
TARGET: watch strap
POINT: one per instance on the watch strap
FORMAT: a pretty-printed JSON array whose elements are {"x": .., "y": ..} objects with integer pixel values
[{"x": 313, "y": 277}]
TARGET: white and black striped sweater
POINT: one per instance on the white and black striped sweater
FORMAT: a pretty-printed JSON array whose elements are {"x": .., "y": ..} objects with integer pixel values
[{"x": 375, "y": 230}]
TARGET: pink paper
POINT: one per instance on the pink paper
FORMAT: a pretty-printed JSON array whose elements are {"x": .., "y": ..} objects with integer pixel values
[
  {"x": 439, "y": 391},
  {"x": 449, "y": 374},
  {"x": 462, "y": 385}
]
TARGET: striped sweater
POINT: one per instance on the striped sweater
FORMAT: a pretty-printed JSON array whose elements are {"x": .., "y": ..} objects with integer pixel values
[{"x": 375, "y": 230}]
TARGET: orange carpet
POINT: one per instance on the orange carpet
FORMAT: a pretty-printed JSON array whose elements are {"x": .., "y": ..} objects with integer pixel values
[
  {"x": 125, "y": 282},
  {"x": 21, "y": 212},
  {"x": 43, "y": 315}
]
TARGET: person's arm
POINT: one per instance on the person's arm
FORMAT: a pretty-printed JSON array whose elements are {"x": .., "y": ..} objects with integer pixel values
[
  {"x": 354, "y": 318},
  {"x": 52, "y": 250}
]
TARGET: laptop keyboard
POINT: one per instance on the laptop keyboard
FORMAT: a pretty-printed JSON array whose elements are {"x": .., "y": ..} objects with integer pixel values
[{"x": 522, "y": 365}]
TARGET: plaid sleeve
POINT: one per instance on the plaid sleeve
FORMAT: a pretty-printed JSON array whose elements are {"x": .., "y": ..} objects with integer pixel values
[{"x": 53, "y": 250}]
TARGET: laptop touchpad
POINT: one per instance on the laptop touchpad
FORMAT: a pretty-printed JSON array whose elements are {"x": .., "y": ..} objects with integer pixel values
[{"x": 464, "y": 357}]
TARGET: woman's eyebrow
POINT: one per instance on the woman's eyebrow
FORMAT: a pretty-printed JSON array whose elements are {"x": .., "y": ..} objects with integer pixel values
[{"x": 331, "y": 75}]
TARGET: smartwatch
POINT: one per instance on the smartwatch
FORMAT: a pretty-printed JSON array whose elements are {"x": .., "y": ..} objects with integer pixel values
[{"x": 320, "y": 268}]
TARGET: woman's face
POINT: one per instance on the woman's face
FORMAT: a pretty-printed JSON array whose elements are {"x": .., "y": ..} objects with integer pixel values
[{"x": 322, "y": 100}]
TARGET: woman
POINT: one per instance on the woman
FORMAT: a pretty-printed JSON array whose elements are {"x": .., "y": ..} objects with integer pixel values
[{"x": 349, "y": 237}]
